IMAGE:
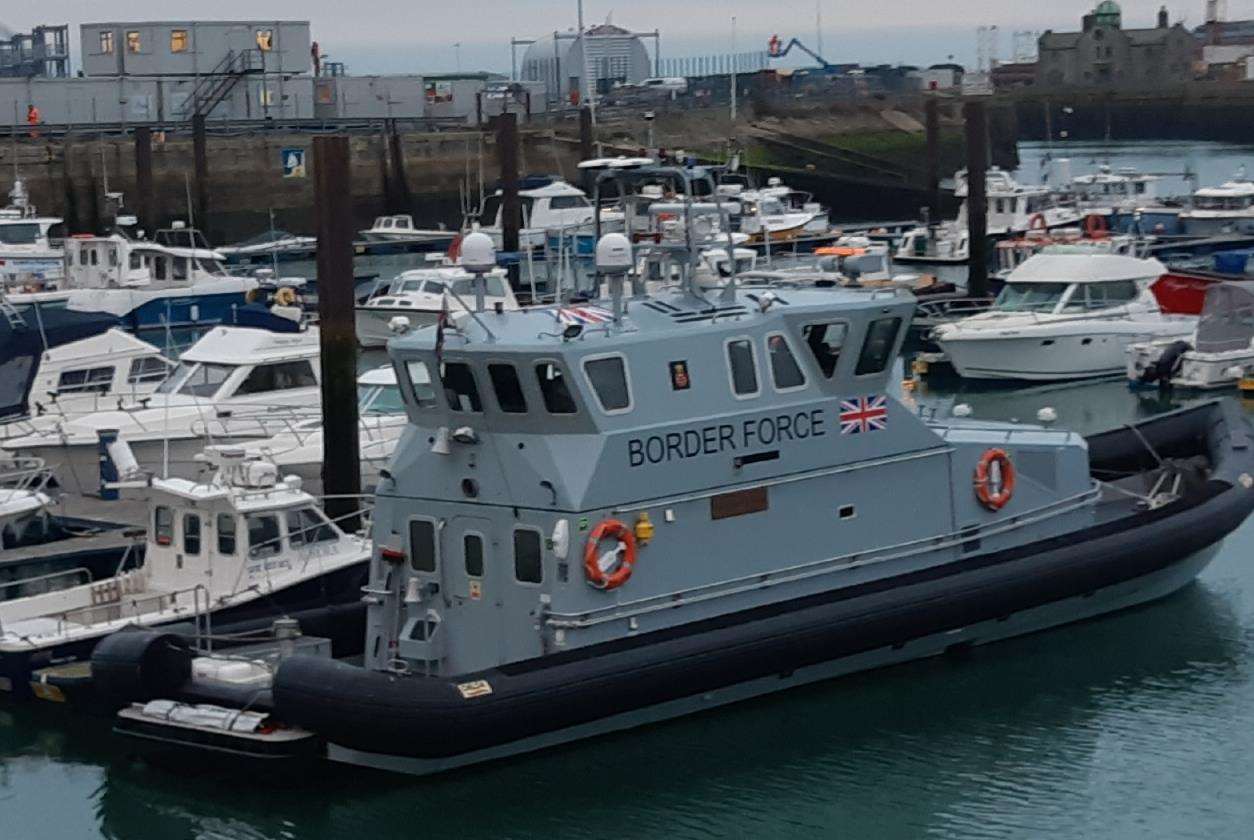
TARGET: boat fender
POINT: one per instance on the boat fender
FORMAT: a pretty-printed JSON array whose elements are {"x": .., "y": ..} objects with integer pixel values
[
  {"x": 1037, "y": 222},
  {"x": 994, "y": 494},
  {"x": 611, "y": 569},
  {"x": 138, "y": 665}
]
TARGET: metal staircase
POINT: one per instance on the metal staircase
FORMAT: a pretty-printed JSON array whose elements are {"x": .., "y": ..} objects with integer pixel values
[{"x": 212, "y": 88}]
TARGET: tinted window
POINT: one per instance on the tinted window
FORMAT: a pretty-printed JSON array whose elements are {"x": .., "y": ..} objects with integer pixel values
[
  {"x": 825, "y": 342},
  {"x": 280, "y": 377},
  {"x": 460, "y": 389},
  {"x": 527, "y": 558},
  {"x": 509, "y": 394},
  {"x": 472, "y": 549},
  {"x": 609, "y": 380},
  {"x": 744, "y": 371},
  {"x": 877, "y": 348},
  {"x": 567, "y": 202},
  {"x": 82, "y": 381},
  {"x": 147, "y": 369},
  {"x": 554, "y": 389},
  {"x": 785, "y": 372},
  {"x": 420, "y": 383},
  {"x": 263, "y": 536},
  {"x": 191, "y": 533},
  {"x": 163, "y": 526},
  {"x": 422, "y": 545},
  {"x": 306, "y": 526},
  {"x": 226, "y": 533}
]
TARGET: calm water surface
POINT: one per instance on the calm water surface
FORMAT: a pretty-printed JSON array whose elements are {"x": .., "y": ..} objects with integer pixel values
[{"x": 1137, "y": 725}]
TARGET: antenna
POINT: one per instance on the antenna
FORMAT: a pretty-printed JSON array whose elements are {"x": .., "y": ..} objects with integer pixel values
[{"x": 818, "y": 26}]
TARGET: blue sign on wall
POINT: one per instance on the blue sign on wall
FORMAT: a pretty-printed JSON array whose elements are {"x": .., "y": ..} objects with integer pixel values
[{"x": 293, "y": 162}]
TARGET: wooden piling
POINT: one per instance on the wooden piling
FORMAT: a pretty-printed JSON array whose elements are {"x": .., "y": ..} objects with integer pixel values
[
  {"x": 341, "y": 467},
  {"x": 586, "y": 151},
  {"x": 144, "y": 198},
  {"x": 977, "y": 199},
  {"x": 932, "y": 121},
  {"x": 511, "y": 205},
  {"x": 200, "y": 167}
]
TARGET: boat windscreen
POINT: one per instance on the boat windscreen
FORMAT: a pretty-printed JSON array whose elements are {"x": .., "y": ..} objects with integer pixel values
[
  {"x": 380, "y": 399},
  {"x": 196, "y": 379},
  {"x": 1030, "y": 297}
]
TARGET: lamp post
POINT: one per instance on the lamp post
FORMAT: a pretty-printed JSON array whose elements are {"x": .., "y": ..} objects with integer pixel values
[{"x": 733, "y": 71}]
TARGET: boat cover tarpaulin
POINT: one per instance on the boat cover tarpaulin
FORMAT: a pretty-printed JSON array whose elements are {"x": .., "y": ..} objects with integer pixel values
[
  {"x": 1227, "y": 321},
  {"x": 23, "y": 340}
]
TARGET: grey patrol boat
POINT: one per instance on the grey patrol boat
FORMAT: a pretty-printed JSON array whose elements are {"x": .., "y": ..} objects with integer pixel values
[{"x": 610, "y": 514}]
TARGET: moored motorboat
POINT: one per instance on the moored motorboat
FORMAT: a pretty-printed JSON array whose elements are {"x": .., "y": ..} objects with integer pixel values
[
  {"x": 1216, "y": 355},
  {"x": 421, "y": 296}
]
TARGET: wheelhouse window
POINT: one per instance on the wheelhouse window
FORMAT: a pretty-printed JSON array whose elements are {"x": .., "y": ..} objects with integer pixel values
[
  {"x": 743, "y": 367},
  {"x": 191, "y": 534},
  {"x": 507, "y": 388},
  {"x": 785, "y": 372},
  {"x": 196, "y": 379},
  {"x": 147, "y": 369},
  {"x": 1030, "y": 297},
  {"x": 305, "y": 526},
  {"x": 472, "y": 552},
  {"x": 877, "y": 347},
  {"x": 608, "y": 378},
  {"x": 263, "y": 535},
  {"x": 19, "y": 234},
  {"x": 554, "y": 388},
  {"x": 85, "y": 381},
  {"x": 419, "y": 377},
  {"x": 422, "y": 545},
  {"x": 568, "y": 202},
  {"x": 278, "y": 377},
  {"x": 163, "y": 526},
  {"x": 528, "y": 558},
  {"x": 460, "y": 389},
  {"x": 1086, "y": 297},
  {"x": 825, "y": 342},
  {"x": 226, "y": 534},
  {"x": 178, "y": 40}
]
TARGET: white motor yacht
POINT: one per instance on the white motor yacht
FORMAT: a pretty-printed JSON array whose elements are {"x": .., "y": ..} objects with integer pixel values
[
  {"x": 30, "y": 244},
  {"x": 243, "y": 545},
  {"x": 1216, "y": 355},
  {"x": 1227, "y": 208},
  {"x": 1109, "y": 191},
  {"x": 234, "y": 384},
  {"x": 1013, "y": 208},
  {"x": 548, "y": 206},
  {"x": 401, "y": 228},
  {"x": 381, "y": 420},
  {"x": 782, "y": 213},
  {"x": 1063, "y": 316},
  {"x": 421, "y": 294}
]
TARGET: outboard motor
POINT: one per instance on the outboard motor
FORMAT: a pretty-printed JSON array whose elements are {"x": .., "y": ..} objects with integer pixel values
[{"x": 1168, "y": 364}]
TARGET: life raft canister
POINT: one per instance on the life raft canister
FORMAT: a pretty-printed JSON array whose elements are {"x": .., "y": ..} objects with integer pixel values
[
  {"x": 994, "y": 494},
  {"x": 616, "y": 575}
]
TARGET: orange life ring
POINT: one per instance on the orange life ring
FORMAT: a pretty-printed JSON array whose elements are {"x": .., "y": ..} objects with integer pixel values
[
  {"x": 994, "y": 498},
  {"x": 1095, "y": 226},
  {"x": 603, "y": 578},
  {"x": 1037, "y": 222}
]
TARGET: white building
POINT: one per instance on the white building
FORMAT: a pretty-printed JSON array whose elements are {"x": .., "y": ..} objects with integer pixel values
[{"x": 606, "y": 54}]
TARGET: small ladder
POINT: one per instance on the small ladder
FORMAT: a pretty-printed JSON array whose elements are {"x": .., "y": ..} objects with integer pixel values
[{"x": 15, "y": 319}]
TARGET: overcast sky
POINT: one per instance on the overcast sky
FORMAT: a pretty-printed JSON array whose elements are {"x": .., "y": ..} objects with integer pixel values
[{"x": 387, "y": 36}]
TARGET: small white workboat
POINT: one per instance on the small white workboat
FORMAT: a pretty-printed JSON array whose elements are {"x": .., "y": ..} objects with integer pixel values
[
  {"x": 422, "y": 294},
  {"x": 1216, "y": 355}
]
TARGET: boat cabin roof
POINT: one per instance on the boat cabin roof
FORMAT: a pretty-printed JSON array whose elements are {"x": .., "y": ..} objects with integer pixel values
[
  {"x": 1228, "y": 189},
  {"x": 250, "y": 346},
  {"x": 1048, "y": 267},
  {"x": 113, "y": 343}
]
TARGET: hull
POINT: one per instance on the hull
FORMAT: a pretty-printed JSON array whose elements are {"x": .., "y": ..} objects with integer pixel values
[
  {"x": 341, "y": 586},
  {"x": 1078, "y": 356},
  {"x": 77, "y": 466},
  {"x": 1216, "y": 225},
  {"x": 424, "y": 724}
]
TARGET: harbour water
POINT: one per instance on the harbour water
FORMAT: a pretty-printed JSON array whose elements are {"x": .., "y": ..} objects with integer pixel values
[{"x": 1136, "y": 725}]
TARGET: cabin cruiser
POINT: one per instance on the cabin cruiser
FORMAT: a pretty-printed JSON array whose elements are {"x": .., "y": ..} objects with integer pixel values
[
  {"x": 709, "y": 497},
  {"x": 104, "y": 371},
  {"x": 1109, "y": 192},
  {"x": 1013, "y": 208},
  {"x": 298, "y": 450},
  {"x": 24, "y": 500},
  {"x": 1216, "y": 355},
  {"x": 1012, "y": 253},
  {"x": 245, "y": 544},
  {"x": 30, "y": 244},
  {"x": 1227, "y": 208},
  {"x": 550, "y": 208},
  {"x": 421, "y": 295},
  {"x": 235, "y": 384},
  {"x": 401, "y": 228},
  {"x": 144, "y": 284},
  {"x": 782, "y": 213},
  {"x": 1063, "y": 315}
]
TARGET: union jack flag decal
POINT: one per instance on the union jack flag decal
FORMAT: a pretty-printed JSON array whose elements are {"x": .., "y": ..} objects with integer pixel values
[
  {"x": 863, "y": 414},
  {"x": 585, "y": 315}
]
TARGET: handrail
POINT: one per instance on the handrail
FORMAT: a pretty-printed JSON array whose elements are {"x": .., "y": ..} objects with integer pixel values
[{"x": 85, "y": 572}]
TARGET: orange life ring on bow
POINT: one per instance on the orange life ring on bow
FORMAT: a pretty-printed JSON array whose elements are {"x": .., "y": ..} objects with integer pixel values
[
  {"x": 605, "y": 578},
  {"x": 991, "y": 496},
  {"x": 1095, "y": 226},
  {"x": 1037, "y": 222}
]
